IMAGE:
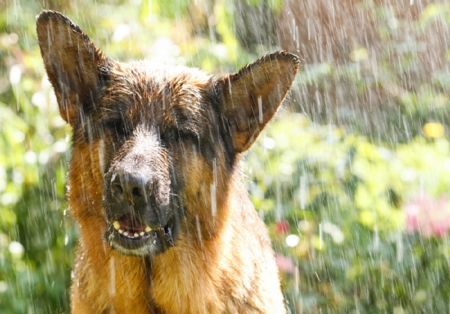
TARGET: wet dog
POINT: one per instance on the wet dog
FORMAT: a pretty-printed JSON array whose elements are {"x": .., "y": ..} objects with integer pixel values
[{"x": 166, "y": 225}]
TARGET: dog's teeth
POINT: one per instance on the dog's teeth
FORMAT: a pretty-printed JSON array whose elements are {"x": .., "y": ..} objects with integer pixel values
[
  {"x": 120, "y": 231},
  {"x": 142, "y": 233},
  {"x": 136, "y": 235},
  {"x": 125, "y": 233},
  {"x": 116, "y": 225},
  {"x": 148, "y": 229}
]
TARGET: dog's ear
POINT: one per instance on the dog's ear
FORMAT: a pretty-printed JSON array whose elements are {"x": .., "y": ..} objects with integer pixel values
[
  {"x": 72, "y": 62},
  {"x": 251, "y": 97}
]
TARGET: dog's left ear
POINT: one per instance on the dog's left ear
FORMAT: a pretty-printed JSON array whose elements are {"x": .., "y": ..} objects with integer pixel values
[
  {"x": 251, "y": 97},
  {"x": 72, "y": 62}
]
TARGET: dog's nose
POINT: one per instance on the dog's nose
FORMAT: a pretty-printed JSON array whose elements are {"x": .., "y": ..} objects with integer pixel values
[{"x": 132, "y": 187}]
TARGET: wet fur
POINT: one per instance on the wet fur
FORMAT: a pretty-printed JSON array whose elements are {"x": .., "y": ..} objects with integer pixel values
[{"x": 195, "y": 128}]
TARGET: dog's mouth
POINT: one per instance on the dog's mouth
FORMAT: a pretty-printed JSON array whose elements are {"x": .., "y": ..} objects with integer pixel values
[{"x": 129, "y": 236}]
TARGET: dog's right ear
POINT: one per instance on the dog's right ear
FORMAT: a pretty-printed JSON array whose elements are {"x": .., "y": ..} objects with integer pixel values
[{"x": 72, "y": 62}]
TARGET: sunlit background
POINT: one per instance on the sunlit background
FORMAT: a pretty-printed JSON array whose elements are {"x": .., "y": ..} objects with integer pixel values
[{"x": 352, "y": 179}]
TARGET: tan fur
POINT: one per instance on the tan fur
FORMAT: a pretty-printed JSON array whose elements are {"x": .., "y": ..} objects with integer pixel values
[{"x": 221, "y": 260}]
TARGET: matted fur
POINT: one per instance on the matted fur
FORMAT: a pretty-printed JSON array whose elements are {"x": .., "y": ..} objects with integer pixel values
[{"x": 182, "y": 132}]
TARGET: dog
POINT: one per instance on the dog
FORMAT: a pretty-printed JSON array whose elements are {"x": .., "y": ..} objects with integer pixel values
[{"x": 154, "y": 183}]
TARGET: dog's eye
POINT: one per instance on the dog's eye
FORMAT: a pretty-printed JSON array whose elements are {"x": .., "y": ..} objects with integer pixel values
[
  {"x": 176, "y": 135},
  {"x": 188, "y": 136},
  {"x": 118, "y": 126}
]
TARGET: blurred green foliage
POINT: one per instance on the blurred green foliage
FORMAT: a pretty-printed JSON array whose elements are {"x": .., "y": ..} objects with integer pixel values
[
  {"x": 334, "y": 197},
  {"x": 342, "y": 196}
]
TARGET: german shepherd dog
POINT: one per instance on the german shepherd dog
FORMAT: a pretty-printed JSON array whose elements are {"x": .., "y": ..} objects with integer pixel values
[{"x": 165, "y": 224}]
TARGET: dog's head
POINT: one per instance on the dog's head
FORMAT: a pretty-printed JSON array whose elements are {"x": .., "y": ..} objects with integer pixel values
[{"x": 154, "y": 147}]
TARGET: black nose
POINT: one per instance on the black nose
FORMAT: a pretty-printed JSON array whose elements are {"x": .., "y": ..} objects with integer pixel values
[{"x": 132, "y": 187}]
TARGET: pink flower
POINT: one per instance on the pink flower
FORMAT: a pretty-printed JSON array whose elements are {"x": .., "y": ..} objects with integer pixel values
[
  {"x": 285, "y": 264},
  {"x": 282, "y": 227},
  {"x": 428, "y": 216}
]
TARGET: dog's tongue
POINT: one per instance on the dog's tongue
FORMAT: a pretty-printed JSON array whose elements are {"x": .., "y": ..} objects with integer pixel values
[{"x": 129, "y": 222}]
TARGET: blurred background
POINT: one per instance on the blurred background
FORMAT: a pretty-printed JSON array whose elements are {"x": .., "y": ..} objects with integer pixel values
[{"x": 352, "y": 179}]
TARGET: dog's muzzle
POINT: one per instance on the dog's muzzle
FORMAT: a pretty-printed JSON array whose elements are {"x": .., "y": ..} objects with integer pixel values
[{"x": 140, "y": 219}]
